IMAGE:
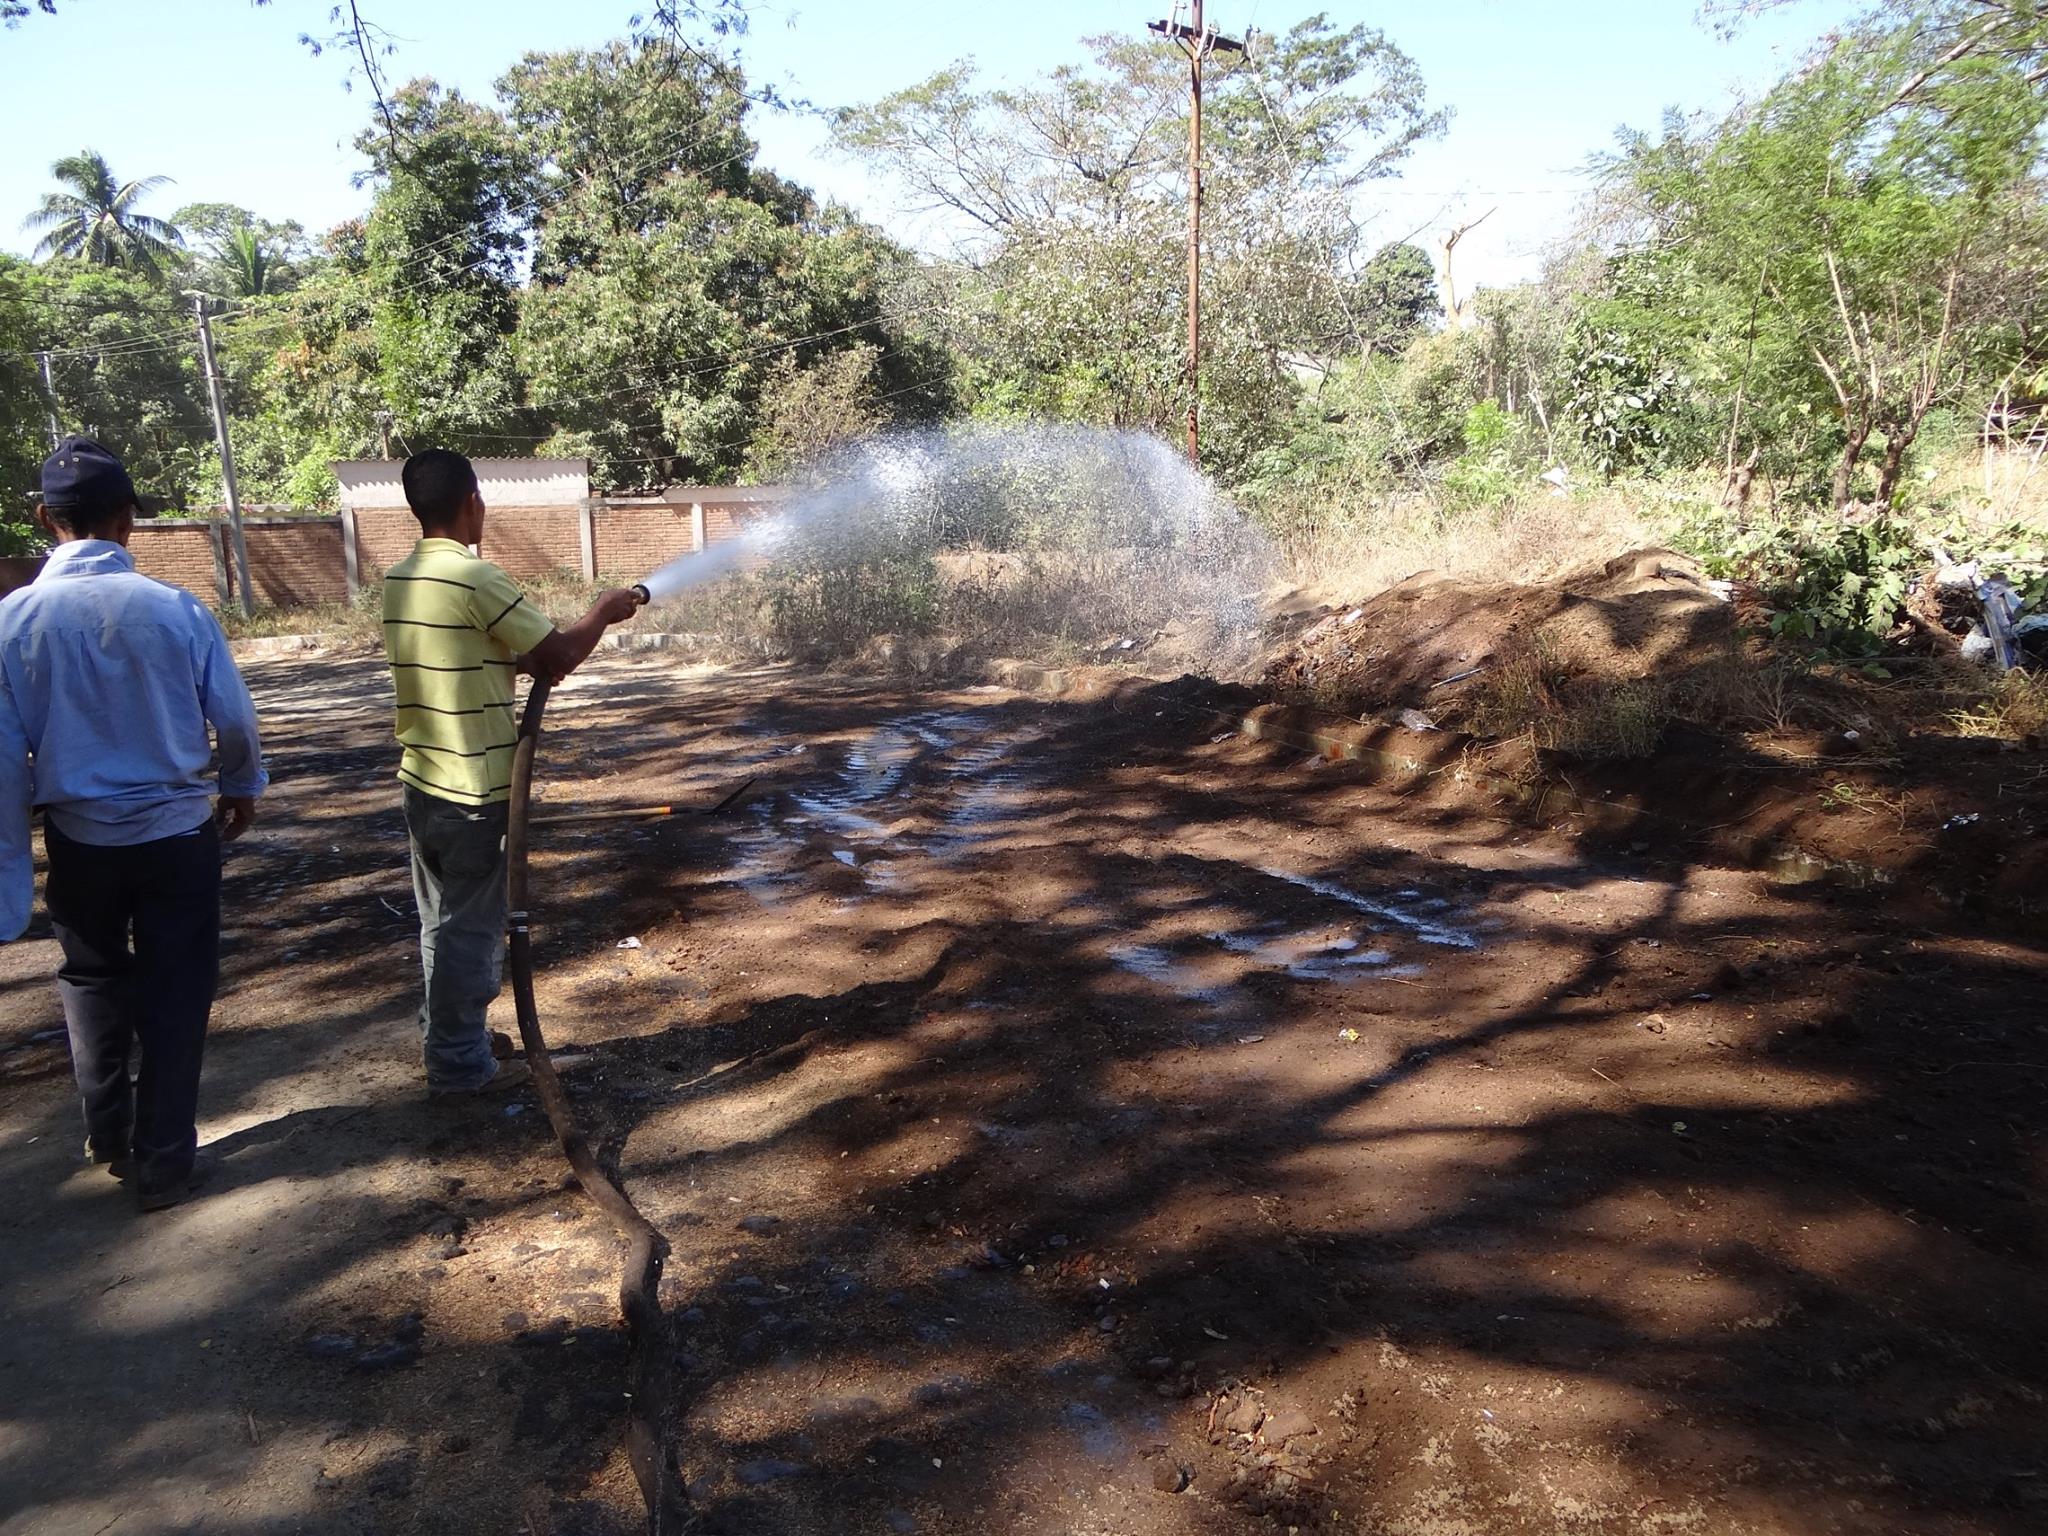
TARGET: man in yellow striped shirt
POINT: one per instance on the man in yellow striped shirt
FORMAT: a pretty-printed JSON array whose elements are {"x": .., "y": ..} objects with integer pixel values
[{"x": 457, "y": 629}]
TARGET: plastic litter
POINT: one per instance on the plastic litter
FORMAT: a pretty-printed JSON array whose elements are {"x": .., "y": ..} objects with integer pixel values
[
  {"x": 1348, "y": 1036},
  {"x": 629, "y": 943},
  {"x": 845, "y": 856},
  {"x": 1416, "y": 720},
  {"x": 1963, "y": 820},
  {"x": 2001, "y": 609}
]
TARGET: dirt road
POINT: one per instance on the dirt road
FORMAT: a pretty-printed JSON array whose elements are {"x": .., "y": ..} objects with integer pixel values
[{"x": 1067, "y": 1119}]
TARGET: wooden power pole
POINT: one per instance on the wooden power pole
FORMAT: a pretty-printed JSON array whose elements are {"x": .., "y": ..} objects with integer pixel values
[{"x": 1198, "y": 41}]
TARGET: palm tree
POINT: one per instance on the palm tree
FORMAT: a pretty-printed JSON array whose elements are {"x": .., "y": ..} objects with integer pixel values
[
  {"x": 96, "y": 219},
  {"x": 250, "y": 267}
]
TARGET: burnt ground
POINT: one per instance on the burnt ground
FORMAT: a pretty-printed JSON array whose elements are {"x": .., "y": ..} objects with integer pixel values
[{"x": 1051, "y": 1105}]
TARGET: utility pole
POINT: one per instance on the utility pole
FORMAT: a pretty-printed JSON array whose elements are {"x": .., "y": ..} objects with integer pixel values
[
  {"x": 227, "y": 454},
  {"x": 1198, "y": 41},
  {"x": 50, "y": 391}
]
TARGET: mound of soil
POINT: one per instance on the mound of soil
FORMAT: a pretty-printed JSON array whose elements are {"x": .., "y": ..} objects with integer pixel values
[{"x": 1646, "y": 613}]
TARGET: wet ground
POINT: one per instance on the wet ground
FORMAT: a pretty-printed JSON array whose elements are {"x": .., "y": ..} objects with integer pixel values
[{"x": 1067, "y": 1118}]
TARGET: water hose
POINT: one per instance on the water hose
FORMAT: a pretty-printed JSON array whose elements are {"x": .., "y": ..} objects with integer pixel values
[{"x": 646, "y": 1250}]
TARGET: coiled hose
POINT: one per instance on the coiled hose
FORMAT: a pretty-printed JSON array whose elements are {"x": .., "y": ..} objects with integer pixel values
[{"x": 646, "y": 1250}]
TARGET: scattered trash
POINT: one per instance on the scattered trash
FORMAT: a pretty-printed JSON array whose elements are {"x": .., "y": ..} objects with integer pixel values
[
  {"x": 1455, "y": 677},
  {"x": 1348, "y": 1036},
  {"x": 1221, "y": 1338},
  {"x": 1678, "y": 1127},
  {"x": 394, "y": 911},
  {"x": 1558, "y": 478},
  {"x": 1963, "y": 820},
  {"x": 514, "y": 1109},
  {"x": 1416, "y": 720},
  {"x": 1249, "y": 1039},
  {"x": 2001, "y": 609},
  {"x": 845, "y": 856},
  {"x": 629, "y": 943}
]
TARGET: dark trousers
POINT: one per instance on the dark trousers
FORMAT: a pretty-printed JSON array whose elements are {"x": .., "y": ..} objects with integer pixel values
[
  {"x": 458, "y": 880},
  {"x": 140, "y": 930}
]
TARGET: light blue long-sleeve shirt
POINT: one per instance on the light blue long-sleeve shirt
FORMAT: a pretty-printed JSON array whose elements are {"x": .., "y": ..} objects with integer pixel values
[{"x": 108, "y": 682}]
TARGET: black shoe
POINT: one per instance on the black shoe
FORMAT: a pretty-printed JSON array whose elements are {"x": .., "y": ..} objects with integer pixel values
[
  {"x": 161, "y": 1197},
  {"x": 117, "y": 1160}
]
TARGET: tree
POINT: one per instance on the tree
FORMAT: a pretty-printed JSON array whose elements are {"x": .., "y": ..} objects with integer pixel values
[
  {"x": 440, "y": 257},
  {"x": 239, "y": 255},
  {"x": 126, "y": 371},
  {"x": 1069, "y": 198},
  {"x": 97, "y": 220},
  {"x": 672, "y": 279},
  {"x": 23, "y": 407},
  {"x": 1395, "y": 297},
  {"x": 1828, "y": 265}
]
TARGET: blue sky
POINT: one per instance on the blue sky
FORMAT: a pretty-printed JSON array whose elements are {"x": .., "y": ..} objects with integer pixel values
[{"x": 221, "y": 95}]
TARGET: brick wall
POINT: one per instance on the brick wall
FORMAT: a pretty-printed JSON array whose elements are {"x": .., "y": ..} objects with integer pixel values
[
  {"x": 532, "y": 541},
  {"x": 180, "y": 552},
  {"x": 384, "y": 536},
  {"x": 633, "y": 537},
  {"x": 293, "y": 564}
]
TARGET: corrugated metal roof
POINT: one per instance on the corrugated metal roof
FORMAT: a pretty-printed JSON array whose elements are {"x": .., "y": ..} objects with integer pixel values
[{"x": 367, "y": 483}]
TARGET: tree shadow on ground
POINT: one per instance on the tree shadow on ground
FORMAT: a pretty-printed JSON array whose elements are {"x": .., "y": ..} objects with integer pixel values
[{"x": 1034, "y": 1164}]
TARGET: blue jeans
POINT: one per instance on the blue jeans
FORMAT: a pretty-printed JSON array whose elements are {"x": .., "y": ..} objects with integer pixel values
[{"x": 458, "y": 880}]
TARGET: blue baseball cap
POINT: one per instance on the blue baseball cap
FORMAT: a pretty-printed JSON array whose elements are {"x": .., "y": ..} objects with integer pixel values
[{"x": 83, "y": 476}]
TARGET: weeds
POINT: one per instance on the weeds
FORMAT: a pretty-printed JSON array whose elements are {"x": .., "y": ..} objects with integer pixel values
[
  {"x": 1526, "y": 696},
  {"x": 2014, "y": 708}
]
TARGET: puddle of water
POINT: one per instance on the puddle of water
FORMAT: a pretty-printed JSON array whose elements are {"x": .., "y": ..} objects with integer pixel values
[
  {"x": 1415, "y": 917},
  {"x": 1167, "y": 969}
]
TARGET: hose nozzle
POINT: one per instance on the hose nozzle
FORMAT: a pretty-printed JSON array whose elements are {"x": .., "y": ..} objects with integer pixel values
[{"x": 639, "y": 590}]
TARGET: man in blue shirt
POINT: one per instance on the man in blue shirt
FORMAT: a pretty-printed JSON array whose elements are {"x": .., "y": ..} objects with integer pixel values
[{"x": 108, "y": 684}]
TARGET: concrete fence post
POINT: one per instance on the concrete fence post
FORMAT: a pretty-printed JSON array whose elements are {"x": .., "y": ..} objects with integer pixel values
[
  {"x": 697, "y": 526},
  {"x": 351, "y": 555},
  {"x": 223, "y": 587},
  {"x": 586, "y": 528}
]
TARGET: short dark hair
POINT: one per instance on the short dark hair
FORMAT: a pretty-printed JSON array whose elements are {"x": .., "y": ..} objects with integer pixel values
[
  {"x": 84, "y": 519},
  {"x": 437, "y": 482}
]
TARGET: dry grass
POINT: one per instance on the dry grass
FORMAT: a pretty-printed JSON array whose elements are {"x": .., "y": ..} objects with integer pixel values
[
  {"x": 2013, "y": 708},
  {"x": 342, "y": 626},
  {"x": 1533, "y": 540},
  {"x": 1535, "y": 696},
  {"x": 1527, "y": 696}
]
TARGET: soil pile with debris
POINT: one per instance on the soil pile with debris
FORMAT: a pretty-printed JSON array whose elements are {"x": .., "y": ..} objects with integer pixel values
[{"x": 1648, "y": 613}]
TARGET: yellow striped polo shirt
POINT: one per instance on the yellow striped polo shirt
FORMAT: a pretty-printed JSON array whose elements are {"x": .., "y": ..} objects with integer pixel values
[{"x": 452, "y": 624}]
